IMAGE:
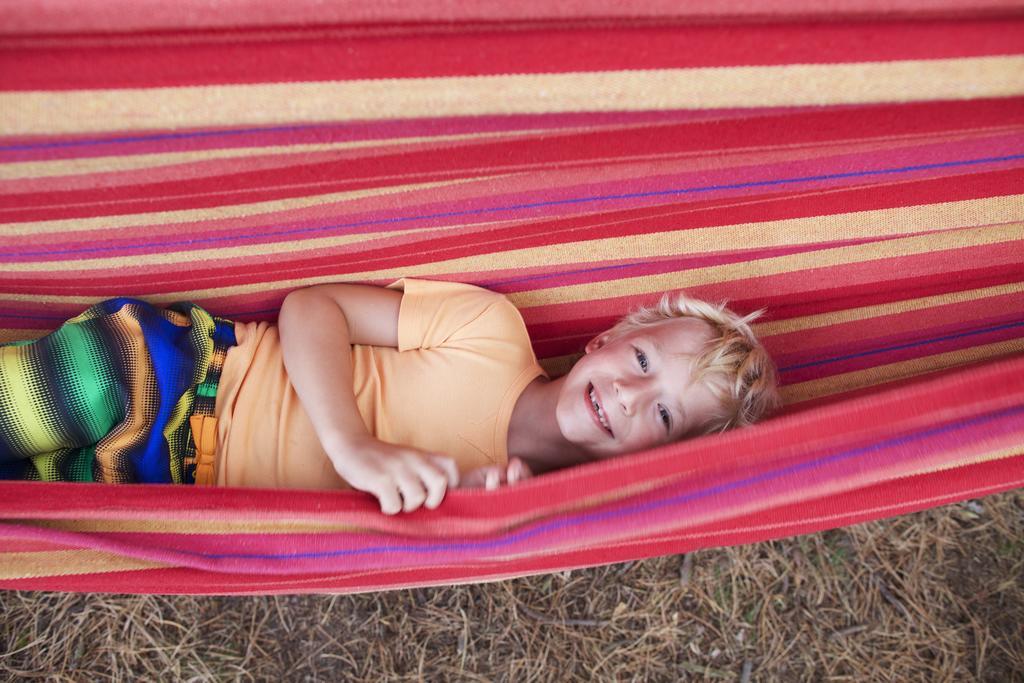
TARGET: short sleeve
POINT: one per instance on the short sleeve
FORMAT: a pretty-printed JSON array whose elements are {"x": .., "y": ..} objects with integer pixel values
[{"x": 435, "y": 314}]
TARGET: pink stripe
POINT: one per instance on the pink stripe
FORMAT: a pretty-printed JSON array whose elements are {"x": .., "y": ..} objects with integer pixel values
[{"x": 69, "y": 16}]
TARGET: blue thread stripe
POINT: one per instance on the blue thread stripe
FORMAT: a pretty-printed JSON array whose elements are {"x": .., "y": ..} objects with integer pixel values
[
  {"x": 628, "y": 511},
  {"x": 513, "y": 207}
]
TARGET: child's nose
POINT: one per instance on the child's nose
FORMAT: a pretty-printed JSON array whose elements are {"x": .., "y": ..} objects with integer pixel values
[{"x": 630, "y": 394}]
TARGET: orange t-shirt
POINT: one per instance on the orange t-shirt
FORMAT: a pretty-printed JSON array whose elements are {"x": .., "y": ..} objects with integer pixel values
[{"x": 463, "y": 359}]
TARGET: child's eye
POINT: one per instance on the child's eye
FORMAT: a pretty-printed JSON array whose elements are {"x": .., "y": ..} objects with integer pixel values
[
  {"x": 642, "y": 358},
  {"x": 665, "y": 417}
]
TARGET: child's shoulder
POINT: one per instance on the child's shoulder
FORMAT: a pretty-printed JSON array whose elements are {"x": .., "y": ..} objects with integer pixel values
[{"x": 487, "y": 311}]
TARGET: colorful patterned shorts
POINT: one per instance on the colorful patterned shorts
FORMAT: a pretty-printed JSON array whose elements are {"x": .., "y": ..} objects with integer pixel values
[{"x": 108, "y": 396}]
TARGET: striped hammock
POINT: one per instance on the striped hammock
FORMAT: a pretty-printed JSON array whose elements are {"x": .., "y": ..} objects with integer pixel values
[{"x": 860, "y": 175}]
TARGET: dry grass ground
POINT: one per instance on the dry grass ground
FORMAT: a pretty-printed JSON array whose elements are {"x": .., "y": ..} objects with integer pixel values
[{"x": 935, "y": 596}]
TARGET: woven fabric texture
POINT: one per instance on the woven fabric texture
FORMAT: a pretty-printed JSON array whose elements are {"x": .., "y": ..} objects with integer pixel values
[{"x": 857, "y": 174}]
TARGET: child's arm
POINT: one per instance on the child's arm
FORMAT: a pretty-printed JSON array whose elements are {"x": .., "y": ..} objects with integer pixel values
[{"x": 318, "y": 325}]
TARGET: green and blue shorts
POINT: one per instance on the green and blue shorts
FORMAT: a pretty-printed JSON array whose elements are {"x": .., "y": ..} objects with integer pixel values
[{"x": 108, "y": 396}]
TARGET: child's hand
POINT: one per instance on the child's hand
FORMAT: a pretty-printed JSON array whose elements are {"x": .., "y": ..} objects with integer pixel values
[
  {"x": 401, "y": 477},
  {"x": 492, "y": 477}
]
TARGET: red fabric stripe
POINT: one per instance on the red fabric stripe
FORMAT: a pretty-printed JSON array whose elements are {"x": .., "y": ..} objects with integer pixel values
[
  {"x": 892, "y": 384},
  {"x": 25, "y": 545},
  {"x": 323, "y": 54}
]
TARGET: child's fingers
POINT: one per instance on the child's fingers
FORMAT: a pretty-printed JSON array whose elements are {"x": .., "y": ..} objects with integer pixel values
[
  {"x": 412, "y": 490},
  {"x": 390, "y": 501},
  {"x": 518, "y": 471},
  {"x": 448, "y": 466},
  {"x": 435, "y": 481},
  {"x": 515, "y": 471}
]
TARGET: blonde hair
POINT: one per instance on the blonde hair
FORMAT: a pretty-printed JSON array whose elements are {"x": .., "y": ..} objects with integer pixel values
[{"x": 733, "y": 365}]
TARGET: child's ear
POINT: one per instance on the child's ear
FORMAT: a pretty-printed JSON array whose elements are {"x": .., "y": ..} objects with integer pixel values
[{"x": 597, "y": 342}]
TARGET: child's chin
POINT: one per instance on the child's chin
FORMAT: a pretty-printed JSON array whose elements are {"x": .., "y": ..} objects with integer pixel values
[{"x": 605, "y": 453}]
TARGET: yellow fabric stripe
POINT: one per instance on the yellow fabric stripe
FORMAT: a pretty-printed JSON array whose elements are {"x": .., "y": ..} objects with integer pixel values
[
  {"x": 993, "y": 215},
  {"x": 32, "y": 565},
  {"x": 822, "y": 258},
  {"x": 84, "y": 111}
]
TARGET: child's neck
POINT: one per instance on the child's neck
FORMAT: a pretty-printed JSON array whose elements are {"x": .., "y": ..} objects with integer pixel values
[{"x": 533, "y": 433}]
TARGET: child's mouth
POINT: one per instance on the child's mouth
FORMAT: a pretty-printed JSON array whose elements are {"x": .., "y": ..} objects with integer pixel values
[{"x": 596, "y": 410}]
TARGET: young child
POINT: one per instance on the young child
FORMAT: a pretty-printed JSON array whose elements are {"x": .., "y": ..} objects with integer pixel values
[{"x": 439, "y": 384}]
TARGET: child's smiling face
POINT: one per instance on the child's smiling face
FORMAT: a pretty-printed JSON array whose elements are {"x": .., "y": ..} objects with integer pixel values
[{"x": 642, "y": 387}]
